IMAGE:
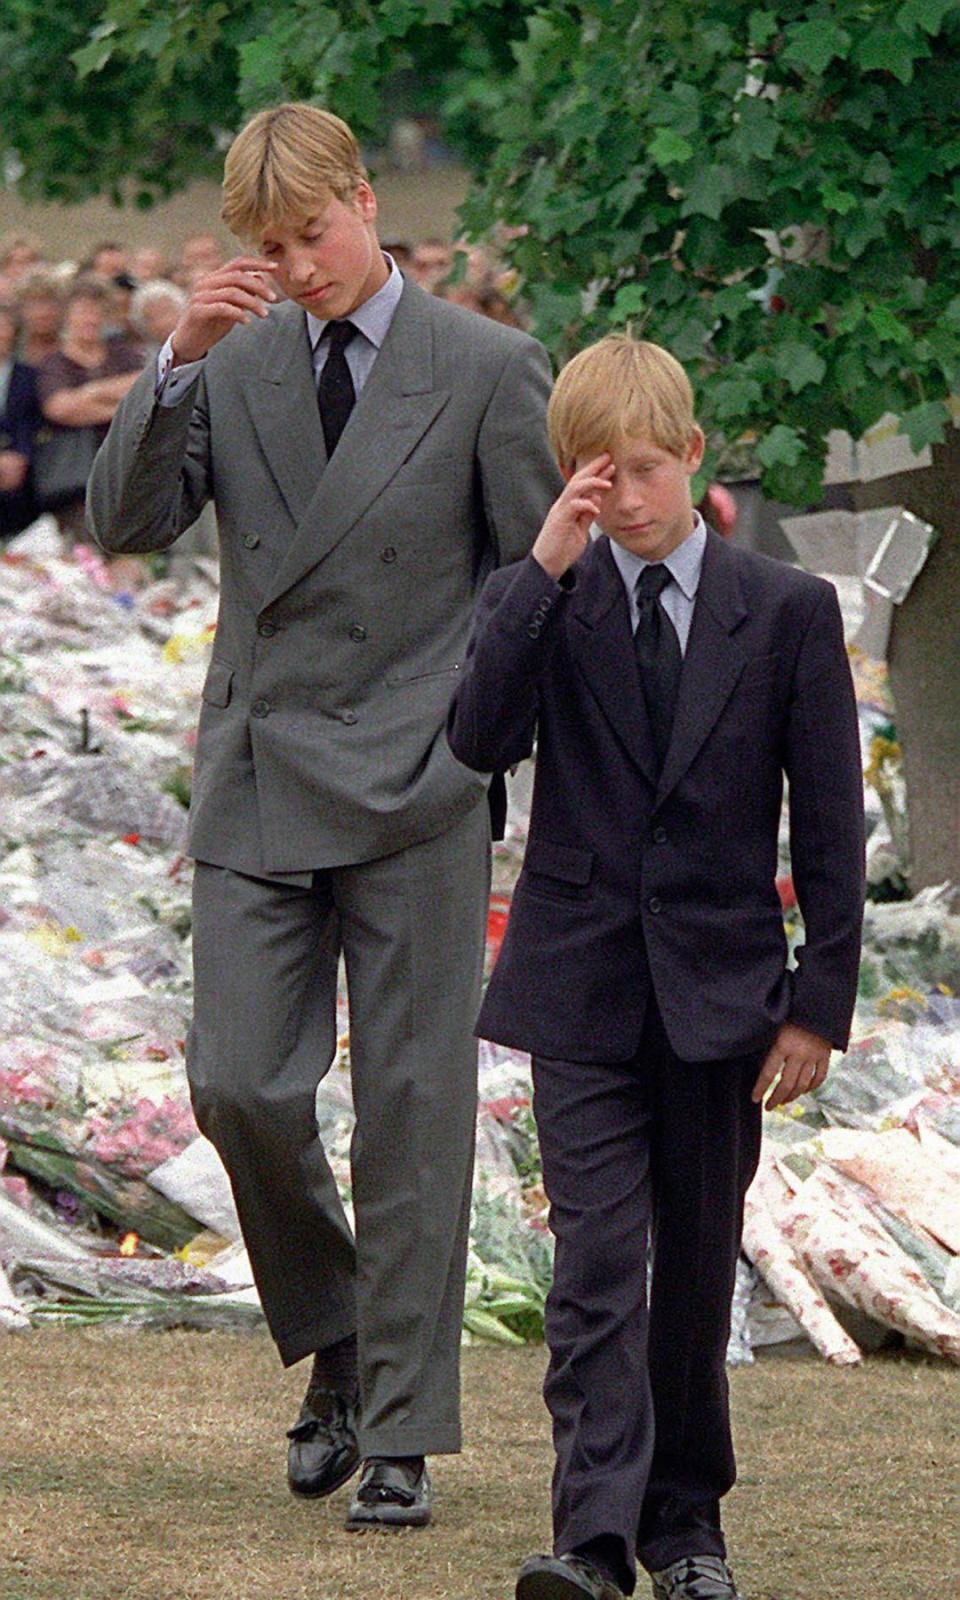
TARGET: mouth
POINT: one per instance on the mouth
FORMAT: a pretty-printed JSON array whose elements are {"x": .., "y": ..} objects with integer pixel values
[
  {"x": 638, "y": 527},
  {"x": 314, "y": 295}
]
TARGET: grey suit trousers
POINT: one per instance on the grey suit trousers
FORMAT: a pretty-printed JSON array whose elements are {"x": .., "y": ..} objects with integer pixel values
[{"x": 411, "y": 927}]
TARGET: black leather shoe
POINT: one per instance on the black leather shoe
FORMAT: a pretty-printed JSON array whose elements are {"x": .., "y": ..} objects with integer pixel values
[
  {"x": 392, "y": 1494},
  {"x": 563, "y": 1578},
  {"x": 323, "y": 1451},
  {"x": 695, "y": 1578}
]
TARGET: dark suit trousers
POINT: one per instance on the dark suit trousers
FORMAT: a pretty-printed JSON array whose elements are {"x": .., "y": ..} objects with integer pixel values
[
  {"x": 661, "y": 1149},
  {"x": 411, "y": 928}
]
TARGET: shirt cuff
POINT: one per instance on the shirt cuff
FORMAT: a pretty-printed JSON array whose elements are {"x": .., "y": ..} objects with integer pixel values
[{"x": 173, "y": 382}]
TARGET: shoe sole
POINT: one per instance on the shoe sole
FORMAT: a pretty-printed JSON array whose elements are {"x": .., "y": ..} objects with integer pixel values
[
  {"x": 330, "y": 1488},
  {"x": 548, "y": 1586},
  {"x": 390, "y": 1519}
]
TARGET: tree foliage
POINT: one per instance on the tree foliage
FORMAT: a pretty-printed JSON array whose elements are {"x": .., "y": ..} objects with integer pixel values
[
  {"x": 153, "y": 92},
  {"x": 770, "y": 189}
]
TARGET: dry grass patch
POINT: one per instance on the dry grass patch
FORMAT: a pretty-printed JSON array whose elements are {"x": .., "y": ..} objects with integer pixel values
[{"x": 150, "y": 1467}]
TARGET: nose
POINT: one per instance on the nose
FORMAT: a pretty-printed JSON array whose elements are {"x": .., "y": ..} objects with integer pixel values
[{"x": 300, "y": 266}]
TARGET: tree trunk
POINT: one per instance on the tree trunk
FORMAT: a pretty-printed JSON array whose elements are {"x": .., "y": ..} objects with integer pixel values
[{"x": 924, "y": 662}]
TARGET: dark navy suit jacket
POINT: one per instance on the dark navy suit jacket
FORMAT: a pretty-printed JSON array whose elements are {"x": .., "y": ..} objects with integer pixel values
[
  {"x": 631, "y": 881},
  {"x": 19, "y": 421}
]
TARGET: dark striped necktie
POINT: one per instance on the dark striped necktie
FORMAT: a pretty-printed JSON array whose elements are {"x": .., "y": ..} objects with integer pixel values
[
  {"x": 336, "y": 395},
  {"x": 659, "y": 657}
]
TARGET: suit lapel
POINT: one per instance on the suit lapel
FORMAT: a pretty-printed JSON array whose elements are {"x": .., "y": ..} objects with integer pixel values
[
  {"x": 712, "y": 664},
  {"x": 603, "y": 649},
  {"x": 394, "y": 409},
  {"x": 282, "y": 400}
]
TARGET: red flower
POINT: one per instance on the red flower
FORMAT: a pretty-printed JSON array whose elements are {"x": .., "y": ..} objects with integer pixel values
[{"x": 787, "y": 893}]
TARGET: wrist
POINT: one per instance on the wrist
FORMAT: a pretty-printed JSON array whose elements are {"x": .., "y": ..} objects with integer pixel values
[
  {"x": 553, "y": 563},
  {"x": 181, "y": 357}
]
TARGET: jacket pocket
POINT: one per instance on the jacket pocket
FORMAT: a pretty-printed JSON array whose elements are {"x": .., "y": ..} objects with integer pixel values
[
  {"x": 217, "y": 687},
  {"x": 557, "y": 869}
]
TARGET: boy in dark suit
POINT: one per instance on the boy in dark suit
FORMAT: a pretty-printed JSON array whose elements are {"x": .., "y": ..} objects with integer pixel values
[{"x": 672, "y": 681}]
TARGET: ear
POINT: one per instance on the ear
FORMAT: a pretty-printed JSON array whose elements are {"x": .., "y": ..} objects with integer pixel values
[
  {"x": 365, "y": 201},
  {"x": 695, "y": 450}
]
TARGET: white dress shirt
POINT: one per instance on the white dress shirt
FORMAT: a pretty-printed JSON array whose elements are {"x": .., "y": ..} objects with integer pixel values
[
  {"x": 683, "y": 563},
  {"x": 372, "y": 319}
]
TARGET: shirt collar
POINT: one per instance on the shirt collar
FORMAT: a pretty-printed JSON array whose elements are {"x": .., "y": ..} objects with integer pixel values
[
  {"x": 683, "y": 563},
  {"x": 373, "y": 317}
]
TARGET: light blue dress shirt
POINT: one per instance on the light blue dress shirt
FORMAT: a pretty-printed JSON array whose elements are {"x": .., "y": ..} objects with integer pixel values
[
  {"x": 372, "y": 319},
  {"x": 679, "y": 596}
]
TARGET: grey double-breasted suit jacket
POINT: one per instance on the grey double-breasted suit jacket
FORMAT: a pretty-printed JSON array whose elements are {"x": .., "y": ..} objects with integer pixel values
[{"x": 347, "y": 589}]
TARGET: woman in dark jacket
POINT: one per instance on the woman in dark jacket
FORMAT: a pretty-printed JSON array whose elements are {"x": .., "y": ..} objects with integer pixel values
[{"x": 19, "y": 420}]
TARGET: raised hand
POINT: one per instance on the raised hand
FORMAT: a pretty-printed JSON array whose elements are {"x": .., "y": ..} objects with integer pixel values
[
  {"x": 218, "y": 301},
  {"x": 566, "y": 531}
]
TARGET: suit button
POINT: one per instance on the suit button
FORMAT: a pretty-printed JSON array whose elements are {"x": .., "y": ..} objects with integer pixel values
[
  {"x": 267, "y": 630},
  {"x": 655, "y": 905},
  {"x": 260, "y": 708},
  {"x": 388, "y": 555},
  {"x": 659, "y": 835},
  {"x": 349, "y": 717},
  {"x": 251, "y": 540},
  {"x": 534, "y": 630},
  {"x": 358, "y": 632}
]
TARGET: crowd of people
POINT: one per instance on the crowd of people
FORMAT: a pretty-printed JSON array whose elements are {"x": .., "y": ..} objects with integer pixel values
[{"x": 74, "y": 336}]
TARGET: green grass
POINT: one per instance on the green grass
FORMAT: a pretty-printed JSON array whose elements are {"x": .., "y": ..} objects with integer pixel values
[{"x": 150, "y": 1467}]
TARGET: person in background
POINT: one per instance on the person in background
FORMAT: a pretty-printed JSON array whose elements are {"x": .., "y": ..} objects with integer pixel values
[
  {"x": 40, "y": 301},
  {"x": 19, "y": 420},
  {"x": 154, "y": 312},
  {"x": 401, "y": 252},
  {"x": 107, "y": 259},
  {"x": 82, "y": 383},
  {"x": 430, "y": 263},
  {"x": 146, "y": 263},
  {"x": 199, "y": 254},
  {"x": 20, "y": 254}
]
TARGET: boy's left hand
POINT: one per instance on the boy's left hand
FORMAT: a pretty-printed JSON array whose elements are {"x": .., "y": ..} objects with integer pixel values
[{"x": 800, "y": 1057}]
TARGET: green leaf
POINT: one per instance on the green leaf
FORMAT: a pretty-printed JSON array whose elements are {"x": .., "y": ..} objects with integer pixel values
[
  {"x": 708, "y": 192},
  {"x": 93, "y": 57},
  {"x": 689, "y": 341},
  {"x": 878, "y": 170},
  {"x": 761, "y": 27},
  {"x": 735, "y": 398},
  {"x": 886, "y": 326},
  {"x": 926, "y": 14},
  {"x": 837, "y": 199},
  {"x": 629, "y": 300},
  {"x": 799, "y": 365},
  {"x": 925, "y": 424},
  {"x": 782, "y": 446},
  {"x": 889, "y": 50},
  {"x": 668, "y": 148},
  {"x": 815, "y": 44}
]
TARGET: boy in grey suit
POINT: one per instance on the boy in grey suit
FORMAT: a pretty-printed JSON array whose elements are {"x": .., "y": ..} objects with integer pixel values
[{"x": 328, "y": 812}]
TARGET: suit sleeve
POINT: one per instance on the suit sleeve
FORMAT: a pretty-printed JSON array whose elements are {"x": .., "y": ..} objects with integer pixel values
[
  {"x": 24, "y": 416},
  {"x": 151, "y": 478},
  {"x": 823, "y": 765},
  {"x": 493, "y": 717},
  {"x": 519, "y": 477}
]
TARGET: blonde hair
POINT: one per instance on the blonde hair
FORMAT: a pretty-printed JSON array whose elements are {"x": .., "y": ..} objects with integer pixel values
[
  {"x": 285, "y": 166},
  {"x": 619, "y": 389}
]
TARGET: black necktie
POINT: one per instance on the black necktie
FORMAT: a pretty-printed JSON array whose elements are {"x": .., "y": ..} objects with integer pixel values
[
  {"x": 335, "y": 392},
  {"x": 659, "y": 656}
]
